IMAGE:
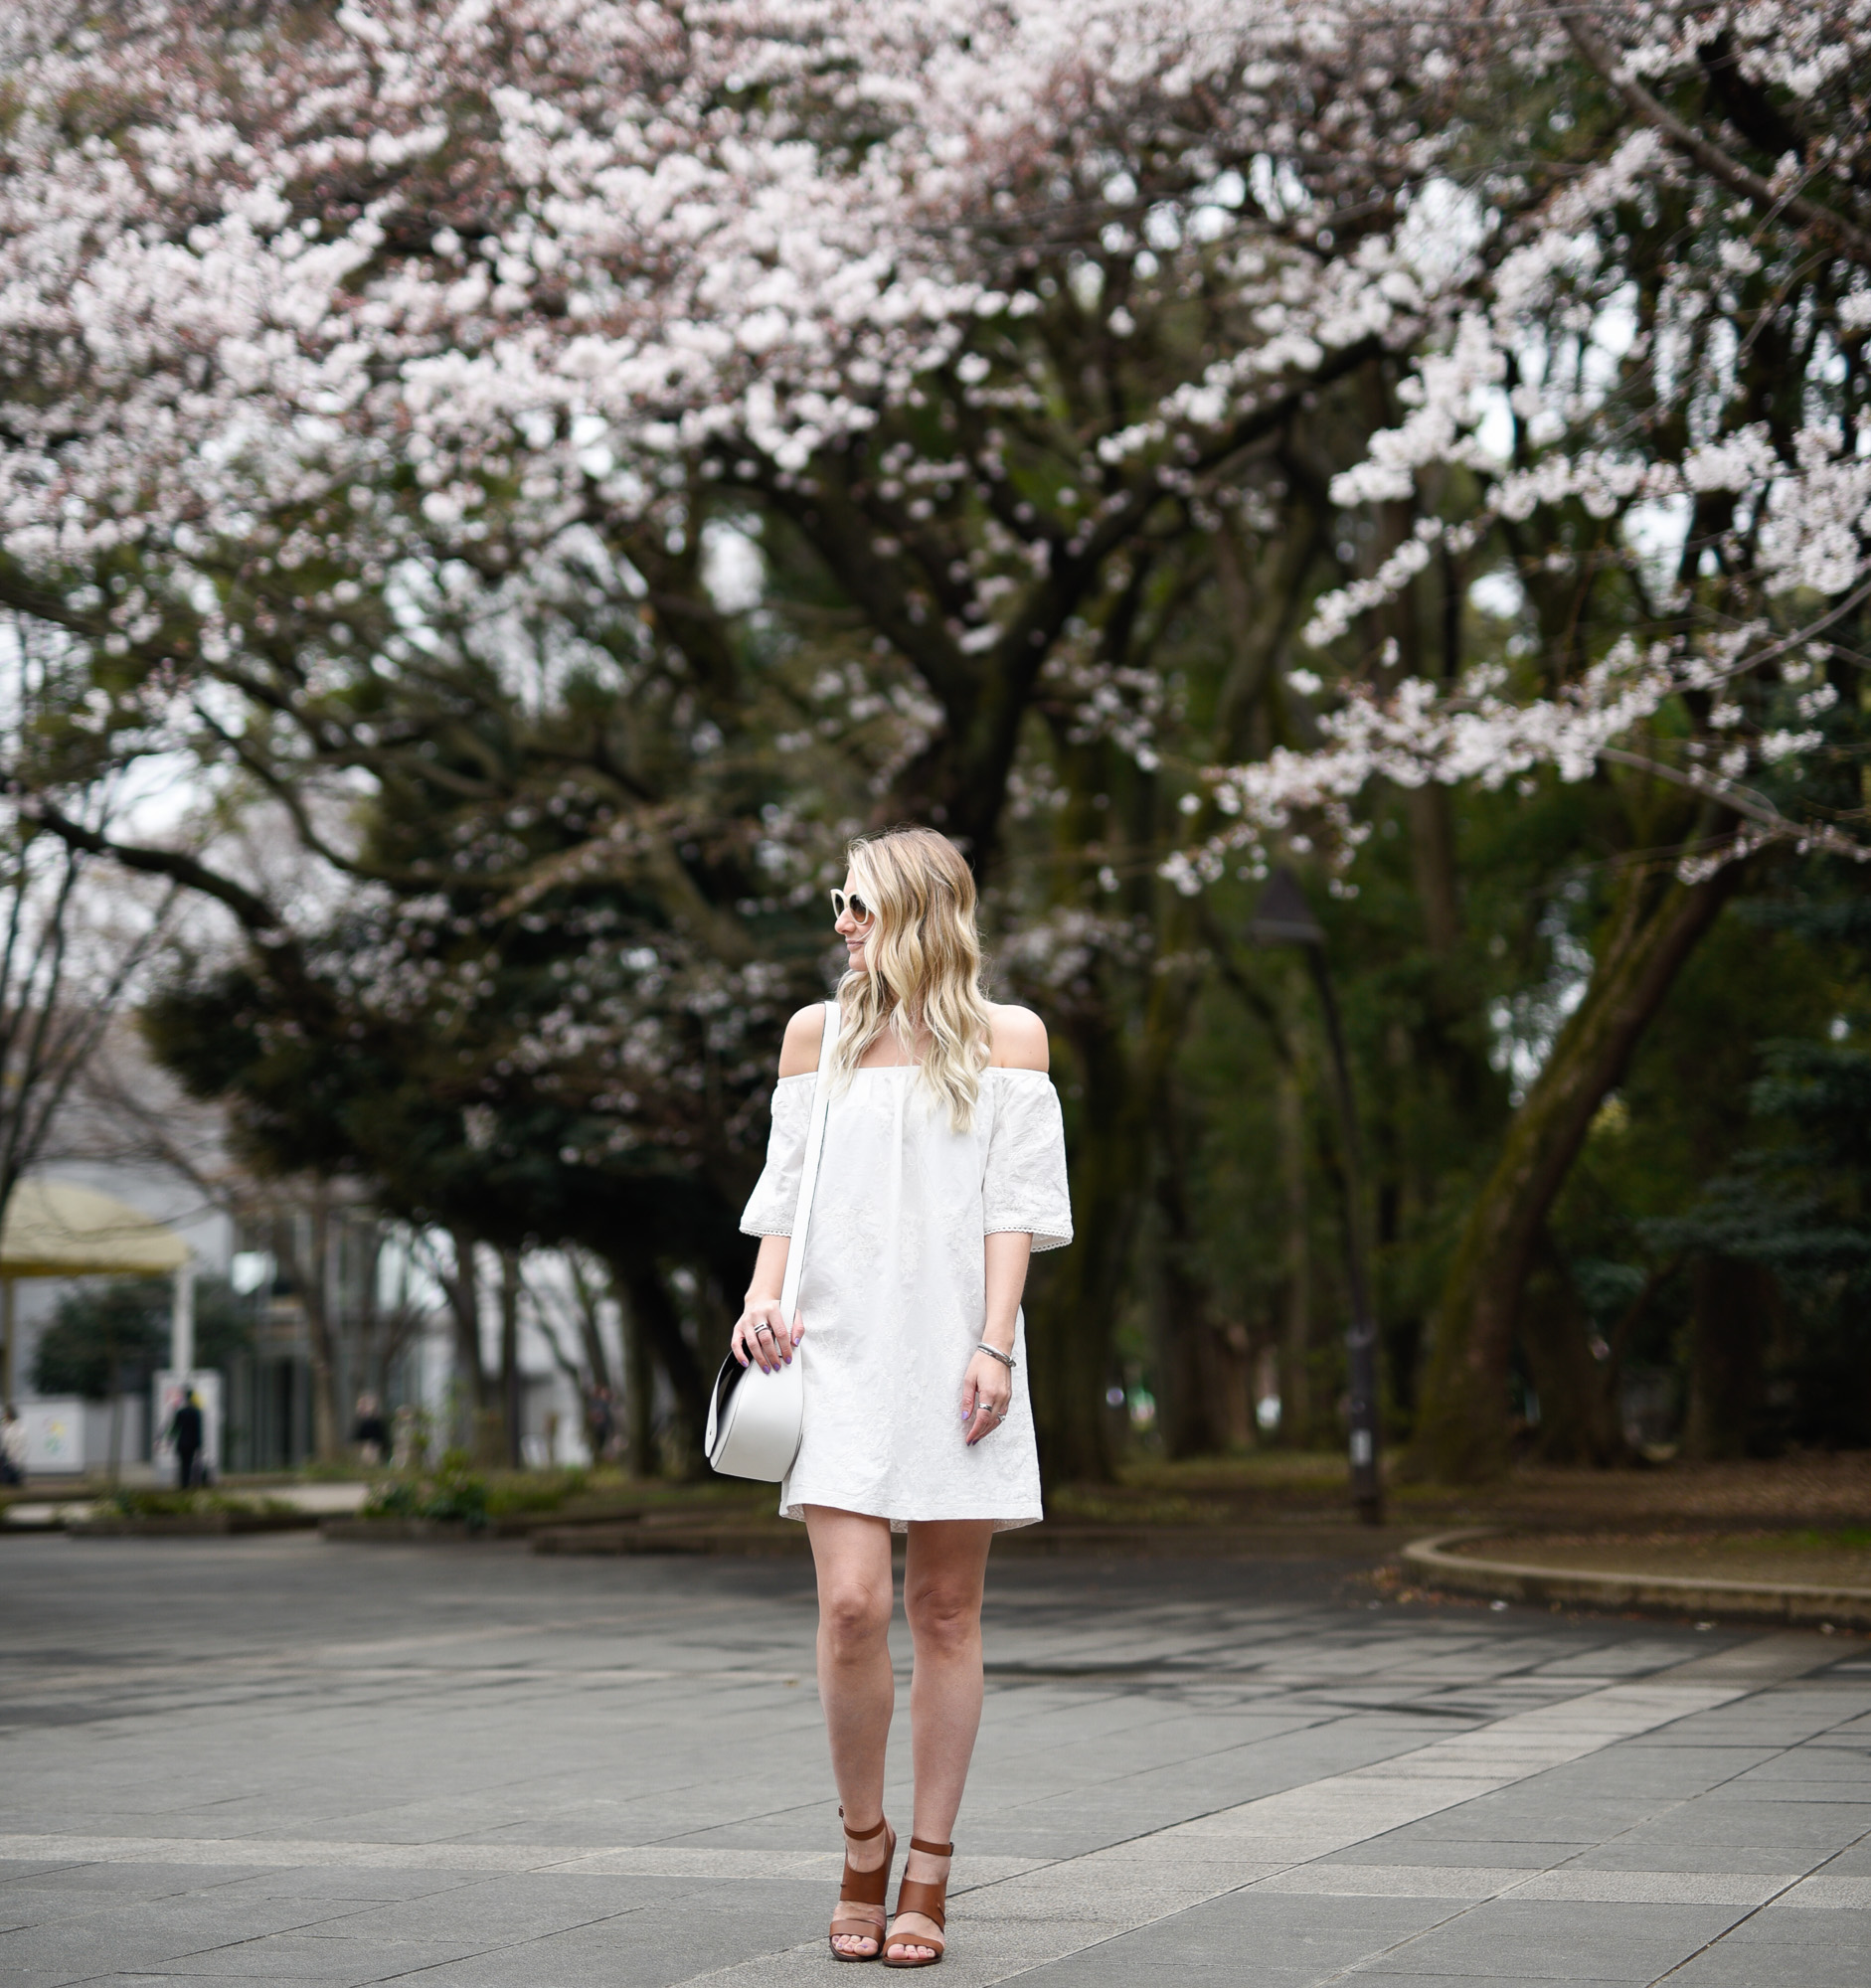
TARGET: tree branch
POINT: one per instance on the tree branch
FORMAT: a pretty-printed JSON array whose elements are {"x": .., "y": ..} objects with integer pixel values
[
  {"x": 261, "y": 924},
  {"x": 1710, "y": 157}
]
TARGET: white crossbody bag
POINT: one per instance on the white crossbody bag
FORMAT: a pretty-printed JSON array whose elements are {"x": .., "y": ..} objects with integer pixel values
[{"x": 755, "y": 1419}]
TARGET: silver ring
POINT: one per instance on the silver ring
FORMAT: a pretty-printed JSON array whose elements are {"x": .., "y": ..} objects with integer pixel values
[{"x": 763, "y": 1327}]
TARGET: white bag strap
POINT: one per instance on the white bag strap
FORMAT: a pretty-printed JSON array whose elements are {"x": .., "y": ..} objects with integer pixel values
[{"x": 808, "y": 1172}]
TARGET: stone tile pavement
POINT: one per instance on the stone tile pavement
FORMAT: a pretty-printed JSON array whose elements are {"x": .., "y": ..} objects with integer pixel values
[{"x": 284, "y": 1760}]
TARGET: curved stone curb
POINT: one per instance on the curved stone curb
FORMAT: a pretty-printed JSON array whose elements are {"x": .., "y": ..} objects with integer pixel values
[{"x": 1515, "y": 1580}]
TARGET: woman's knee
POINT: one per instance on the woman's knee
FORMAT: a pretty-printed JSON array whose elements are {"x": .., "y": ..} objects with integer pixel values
[
  {"x": 854, "y": 1615},
  {"x": 944, "y": 1617}
]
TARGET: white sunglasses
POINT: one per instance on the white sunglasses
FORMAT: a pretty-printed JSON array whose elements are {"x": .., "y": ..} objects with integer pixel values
[{"x": 849, "y": 901}]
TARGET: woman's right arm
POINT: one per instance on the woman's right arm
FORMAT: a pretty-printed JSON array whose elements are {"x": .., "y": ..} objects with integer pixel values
[{"x": 798, "y": 1057}]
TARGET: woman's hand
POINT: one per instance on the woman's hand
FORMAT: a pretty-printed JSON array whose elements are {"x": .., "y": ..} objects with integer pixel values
[
  {"x": 760, "y": 1334},
  {"x": 987, "y": 1392}
]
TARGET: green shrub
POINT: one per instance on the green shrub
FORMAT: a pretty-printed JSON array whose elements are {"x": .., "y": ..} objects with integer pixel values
[
  {"x": 453, "y": 1490},
  {"x": 533, "y": 1491}
]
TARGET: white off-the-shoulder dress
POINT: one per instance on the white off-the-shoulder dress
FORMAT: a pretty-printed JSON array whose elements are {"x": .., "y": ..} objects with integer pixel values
[{"x": 893, "y": 1292}]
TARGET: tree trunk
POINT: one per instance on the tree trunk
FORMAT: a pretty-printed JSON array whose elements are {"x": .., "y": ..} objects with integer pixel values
[
  {"x": 511, "y": 1403},
  {"x": 653, "y": 1315},
  {"x": 309, "y": 1270},
  {"x": 1072, "y": 1318},
  {"x": 8, "y": 1327},
  {"x": 1194, "y": 1407},
  {"x": 590, "y": 1330},
  {"x": 373, "y": 1357},
  {"x": 1430, "y": 816},
  {"x": 1195, "y": 1400},
  {"x": 1462, "y": 1434},
  {"x": 1295, "y": 1325},
  {"x": 639, "y": 1392},
  {"x": 463, "y": 1288},
  {"x": 1732, "y": 1304},
  {"x": 1578, "y": 1414}
]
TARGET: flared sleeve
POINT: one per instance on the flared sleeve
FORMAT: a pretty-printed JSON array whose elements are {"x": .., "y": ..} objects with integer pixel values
[
  {"x": 774, "y": 1201},
  {"x": 1025, "y": 1184}
]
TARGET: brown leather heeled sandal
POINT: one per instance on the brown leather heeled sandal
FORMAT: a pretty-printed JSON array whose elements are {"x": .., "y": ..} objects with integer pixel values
[
  {"x": 861, "y": 1896},
  {"x": 927, "y": 1900}
]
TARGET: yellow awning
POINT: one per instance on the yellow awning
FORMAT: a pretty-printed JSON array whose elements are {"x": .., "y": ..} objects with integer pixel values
[{"x": 56, "y": 1230}]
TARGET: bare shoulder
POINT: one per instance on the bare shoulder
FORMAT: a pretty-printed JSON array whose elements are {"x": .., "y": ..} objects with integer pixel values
[
  {"x": 798, "y": 1054},
  {"x": 1017, "y": 1039}
]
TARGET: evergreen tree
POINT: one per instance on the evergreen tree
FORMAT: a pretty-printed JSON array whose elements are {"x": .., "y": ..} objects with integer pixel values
[
  {"x": 109, "y": 1335},
  {"x": 1780, "y": 1337}
]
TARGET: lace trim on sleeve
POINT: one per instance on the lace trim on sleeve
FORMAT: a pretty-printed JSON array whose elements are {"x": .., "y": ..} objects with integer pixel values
[{"x": 1024, "y": 1190}]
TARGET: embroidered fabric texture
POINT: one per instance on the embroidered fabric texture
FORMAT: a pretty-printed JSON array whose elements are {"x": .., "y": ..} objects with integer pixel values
[{"x": 894, "y": 1295}]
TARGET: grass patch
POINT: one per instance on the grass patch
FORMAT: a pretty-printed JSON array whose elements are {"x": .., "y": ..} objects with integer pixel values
[
  {"x": 1849, "y": 1539},
  {"x": 1133, "y": 1508},
  {"x": 129, "y": 1503}
]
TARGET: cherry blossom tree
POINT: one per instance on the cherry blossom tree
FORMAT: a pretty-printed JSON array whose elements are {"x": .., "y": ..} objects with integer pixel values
[
  {"x": 377, "y": 377},
  {"x": 1646, "y": 422},
  {"x": 339, "y": 323},
  {"x": 72, "y": 949}
]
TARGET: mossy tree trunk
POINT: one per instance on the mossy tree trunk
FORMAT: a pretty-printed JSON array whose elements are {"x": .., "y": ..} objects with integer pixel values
[
  {"x": 1578, "y": 1403},
  {"x": 1462, "y": 1434}
]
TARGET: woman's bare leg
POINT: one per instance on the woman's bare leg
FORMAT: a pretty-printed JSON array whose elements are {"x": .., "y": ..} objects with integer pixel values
[
  {"x": 944, "y": 1572},
  {"x": 855, "y": 1684}
]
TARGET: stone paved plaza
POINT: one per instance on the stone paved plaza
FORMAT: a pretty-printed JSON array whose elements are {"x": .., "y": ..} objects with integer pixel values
[{"x": 287, "y": 1760}]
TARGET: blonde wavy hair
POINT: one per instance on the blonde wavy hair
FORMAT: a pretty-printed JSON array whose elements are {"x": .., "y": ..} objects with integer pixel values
[{"x": 921, "y": 965}]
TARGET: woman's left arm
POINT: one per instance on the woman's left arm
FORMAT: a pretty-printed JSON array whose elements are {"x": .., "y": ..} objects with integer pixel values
[
  {"x": 1019, "y": 1043},
  {"x": 989, "y": 1385}
]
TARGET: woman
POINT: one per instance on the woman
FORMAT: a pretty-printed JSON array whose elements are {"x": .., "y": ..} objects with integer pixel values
[{"x": 942, "y": 1169}]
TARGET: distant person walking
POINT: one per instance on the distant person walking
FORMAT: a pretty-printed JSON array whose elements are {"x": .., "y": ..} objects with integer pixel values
[
  {"x": 370, "y": 1431},
  {"x": 185, "y": 1432},
  {"x": 600, "y": 1425},
  {"x": 943, "y": 1168},
  {"x": 12, "y": 1447}
]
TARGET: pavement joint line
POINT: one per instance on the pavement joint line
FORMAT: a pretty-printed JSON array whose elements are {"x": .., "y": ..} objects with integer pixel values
[
  {"x": 1678, "y": 1967},
  {"x": 1783, "y": 1658},
  {"x": 1826, "y": 1893},
  {"x": 494, "y": 1859},
  {"x": 1479, "y": 1884},
  {"x": 1167, "y": 1871}
]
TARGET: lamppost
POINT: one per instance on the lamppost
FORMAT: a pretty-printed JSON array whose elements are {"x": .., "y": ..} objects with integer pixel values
[{"x": 1284, "y": 917}]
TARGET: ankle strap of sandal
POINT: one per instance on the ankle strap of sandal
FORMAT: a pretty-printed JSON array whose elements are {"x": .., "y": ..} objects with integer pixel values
[
  {"x": 863, "y": 1835},
  {"x": 931, "y": 1849}
]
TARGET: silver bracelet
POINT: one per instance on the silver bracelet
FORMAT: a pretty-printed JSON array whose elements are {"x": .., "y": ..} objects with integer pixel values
[{"x": 994, "y": 1353}]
